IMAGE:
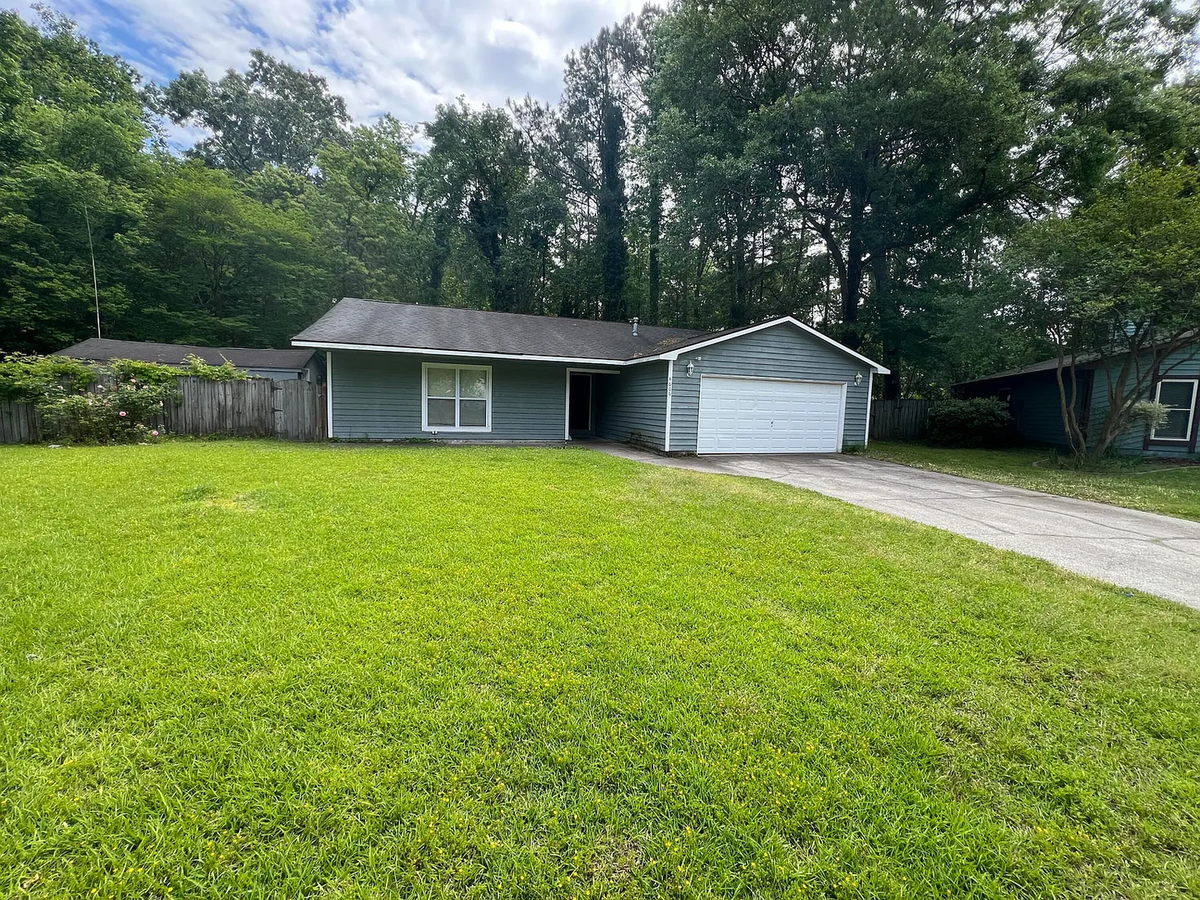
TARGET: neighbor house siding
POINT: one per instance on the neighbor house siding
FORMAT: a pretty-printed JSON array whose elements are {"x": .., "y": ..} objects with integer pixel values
[
  {"x": 1036, "y": 407},
  {"x": 632, "y": 406},
  {"x": 782, "y": 351},
  {"x": 377, "y": 396},
  {"x": 1184, "y": 363}
]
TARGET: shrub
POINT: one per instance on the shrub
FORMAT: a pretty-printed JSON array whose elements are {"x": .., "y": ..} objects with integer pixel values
[
  {"x": 27, "y": 378},
  {"x": 979, "y": 422},
  {"x": 127, "y": 412},
  {"x": 134, "y": 371},
  {"x": 1150, "y": 413},
  {"x": 224, "y": 372},
  {"x": 118, "y": 403}
]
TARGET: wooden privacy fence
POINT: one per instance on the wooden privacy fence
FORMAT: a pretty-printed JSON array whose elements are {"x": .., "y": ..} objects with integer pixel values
[
  {"x": 254, "y": 407},
  {"x": 19, "y": 423},
  {"x": 899, "y": 420},
  {"x": 299, "y": 408},
  {"x": 244, "y": 408}
]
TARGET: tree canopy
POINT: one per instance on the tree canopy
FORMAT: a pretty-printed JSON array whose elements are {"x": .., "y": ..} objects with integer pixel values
[{"x": 910, "y": 176}]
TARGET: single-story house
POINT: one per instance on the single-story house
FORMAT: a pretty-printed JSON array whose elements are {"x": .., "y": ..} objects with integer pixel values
[
  {"x": 281, "y": 365},
  {"x": 403, "y": 371},
  {"x": 1031, "y": 393}
]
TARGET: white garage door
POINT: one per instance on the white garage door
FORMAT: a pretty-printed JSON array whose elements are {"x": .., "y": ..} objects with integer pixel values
[{"x": 753, "y": 415}]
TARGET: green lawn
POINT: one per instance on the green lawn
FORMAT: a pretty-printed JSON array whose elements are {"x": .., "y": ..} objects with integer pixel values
[
  {"x": 1167, "y": 488},
  {"x": 259, "y": 670}
]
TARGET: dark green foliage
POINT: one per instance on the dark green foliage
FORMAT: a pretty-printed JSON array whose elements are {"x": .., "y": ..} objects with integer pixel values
[
  {"x": 978, "y": 422},
  {"x": 72, "y": 135},
  {"x": 861, "y": 167},
  {"x": 272, "y": 115}
]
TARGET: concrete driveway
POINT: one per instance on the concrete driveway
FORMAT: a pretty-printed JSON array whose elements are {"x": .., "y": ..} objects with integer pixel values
[{"x": 1143, "y": 551}]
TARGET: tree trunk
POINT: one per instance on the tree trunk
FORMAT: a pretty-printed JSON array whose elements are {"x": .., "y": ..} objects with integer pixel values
[
  {"x": 881, "y": 277},
  {"x": 652, "y": 313}
]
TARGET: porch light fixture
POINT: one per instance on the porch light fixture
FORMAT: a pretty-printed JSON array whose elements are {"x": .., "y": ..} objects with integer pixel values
[
  {"x": 691, "y": 367},
  {"x": 858, "y": 379}
]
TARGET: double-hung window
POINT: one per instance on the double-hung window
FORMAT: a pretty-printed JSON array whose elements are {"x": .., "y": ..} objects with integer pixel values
[
  {"x": 1178, "y": 395},
  {"x": 457, "y": 398}
]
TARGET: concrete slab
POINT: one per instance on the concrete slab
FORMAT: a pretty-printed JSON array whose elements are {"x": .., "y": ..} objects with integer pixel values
[{"x": 1143, "y": 551}]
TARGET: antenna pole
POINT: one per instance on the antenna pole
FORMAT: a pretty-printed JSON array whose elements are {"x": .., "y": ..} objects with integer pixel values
[{"x": 92, "y": 253}]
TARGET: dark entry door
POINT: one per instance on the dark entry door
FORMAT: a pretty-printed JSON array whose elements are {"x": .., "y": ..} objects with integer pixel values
[{"x": 579, "y": 416}]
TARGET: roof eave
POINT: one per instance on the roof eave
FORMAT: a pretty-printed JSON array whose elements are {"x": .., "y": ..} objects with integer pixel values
[
  {"x": 771, "y": 323},
  {"x": 474, "y": 354}
]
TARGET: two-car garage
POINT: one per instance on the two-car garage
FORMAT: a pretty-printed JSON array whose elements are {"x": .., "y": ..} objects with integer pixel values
[{"x": 770, "y": 415}]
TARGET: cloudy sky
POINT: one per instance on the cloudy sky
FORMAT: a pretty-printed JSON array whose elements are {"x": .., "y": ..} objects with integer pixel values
[{"x": 402, "y": 56}]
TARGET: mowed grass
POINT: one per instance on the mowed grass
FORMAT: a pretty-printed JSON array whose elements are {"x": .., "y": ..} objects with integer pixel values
[
  {"x": 260, "y": 670},
  {"x": 1162, "y": 487}
]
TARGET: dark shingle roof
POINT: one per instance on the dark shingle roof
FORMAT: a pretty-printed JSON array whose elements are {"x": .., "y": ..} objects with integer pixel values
[
  {"x": 103, "y": 350},
  {"x": 1084, "y": 360},
  {"x": 468, "y": 331}
]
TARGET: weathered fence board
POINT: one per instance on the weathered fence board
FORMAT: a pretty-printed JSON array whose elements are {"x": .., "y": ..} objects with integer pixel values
[
  {"x": 240, "y": 408},
  {"x": 19, "y": 423},
  {"x": 299, "y": 411},
  {"x": 254, "y": 407},
  {"x": 899, "y": 420}
]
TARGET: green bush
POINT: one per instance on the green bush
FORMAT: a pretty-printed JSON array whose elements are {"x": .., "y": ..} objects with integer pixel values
[
  {"x": 119, "y": 403},
  {"x": 979, "y": 422},
  {"x": 126, "y": 412},
  {"x": 224, "y": 372},
  {"x": 26, "y": 378},
  {"x": 134, "y": 371}
]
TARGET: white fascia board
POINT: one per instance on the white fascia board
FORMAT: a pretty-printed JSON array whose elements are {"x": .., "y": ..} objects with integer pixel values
[
  {"x": 466, "y": 354},
  {"x": 785, "y": 320}
]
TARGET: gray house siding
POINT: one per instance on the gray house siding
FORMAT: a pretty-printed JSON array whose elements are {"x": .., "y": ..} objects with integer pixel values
[
  {"x": 632, "y": 406},
  {"x": 377, "y": 396},
  {"x": 782, "y": 351},
  {"x": 1184, "y": 363},
  {"x": 1037, "y": 408}
]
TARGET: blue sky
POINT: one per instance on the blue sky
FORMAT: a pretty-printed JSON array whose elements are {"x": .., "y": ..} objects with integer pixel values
[{"x": 403, "y": 57}]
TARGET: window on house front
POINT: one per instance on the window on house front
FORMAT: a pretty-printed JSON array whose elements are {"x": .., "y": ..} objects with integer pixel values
[
  {"x": 457, "y": 398},
  {"x": 1179, "y": 396}
]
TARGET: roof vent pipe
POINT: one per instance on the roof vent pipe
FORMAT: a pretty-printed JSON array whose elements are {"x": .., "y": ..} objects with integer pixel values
[{"x": 635, "y": 325}]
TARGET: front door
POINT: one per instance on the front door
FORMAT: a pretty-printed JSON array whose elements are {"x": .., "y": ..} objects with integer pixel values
[{"x": 579, "y": 410}]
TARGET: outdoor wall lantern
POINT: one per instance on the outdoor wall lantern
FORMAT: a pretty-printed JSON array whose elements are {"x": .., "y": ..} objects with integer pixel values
[
  {"x": 858, "y": 379},
  {"x": 691, "y": 367}
]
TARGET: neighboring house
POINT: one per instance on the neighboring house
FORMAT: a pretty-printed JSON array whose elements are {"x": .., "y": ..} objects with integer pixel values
[
  {"x": 281, "y": 365},
  {"x": 1032, "y": 395},
  {"x": 400, "y": 371}
]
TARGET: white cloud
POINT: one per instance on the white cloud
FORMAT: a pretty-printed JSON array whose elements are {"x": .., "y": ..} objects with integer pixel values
[{"x": 398, "y": 56}]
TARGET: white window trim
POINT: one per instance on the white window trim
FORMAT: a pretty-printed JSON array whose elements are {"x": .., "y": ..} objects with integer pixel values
[
  {"x": 1187, "y": 434},
  {"x": 435, "y": 429}
]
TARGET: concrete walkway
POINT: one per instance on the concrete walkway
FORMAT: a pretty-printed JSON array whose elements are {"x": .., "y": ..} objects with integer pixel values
[{"x": 1143, "y": 551}]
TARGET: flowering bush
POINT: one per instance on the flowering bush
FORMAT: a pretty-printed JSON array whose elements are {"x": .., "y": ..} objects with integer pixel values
[
  {"x": 127, "y": 412},
  {"x": 122, "y": 402}
]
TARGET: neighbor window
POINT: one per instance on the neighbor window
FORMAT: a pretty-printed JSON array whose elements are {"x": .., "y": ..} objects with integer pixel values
[
  {"x": 457, "y": 398},
  {"x": 1179, "y": 396}
]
